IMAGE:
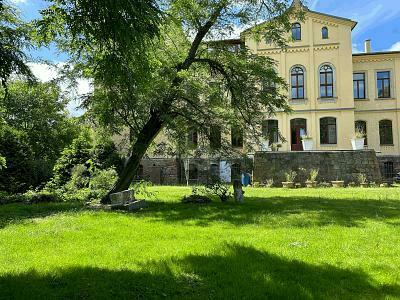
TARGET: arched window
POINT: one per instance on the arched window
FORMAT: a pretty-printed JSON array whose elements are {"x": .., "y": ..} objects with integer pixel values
[
  {"x": 328, "y": 132},
  {"x": 214, "y": 170},
  {"x": 140, "y": 172},
  {"x": 237, "y": 137},
  {"x": 193, "y": 172},
  {"x": 296, "y": 32},
  {"x": 325, "y": 33},
  {"x": 361, "y": 126},
  {"x": 326, "y": 81},
  {"x": 215, "y": 137},
  {"x": 270, "y": 130},
  {"x": 297, "y": 83},
  {"x": 386, "y": 132},
  {"x": 193, "y": 137}
]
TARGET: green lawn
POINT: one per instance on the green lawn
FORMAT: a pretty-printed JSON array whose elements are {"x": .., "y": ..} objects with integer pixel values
[{"x": 306, "y": 244}]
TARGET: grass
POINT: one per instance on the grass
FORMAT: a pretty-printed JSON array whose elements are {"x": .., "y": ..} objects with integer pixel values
[{"x": 297, "y": 244}]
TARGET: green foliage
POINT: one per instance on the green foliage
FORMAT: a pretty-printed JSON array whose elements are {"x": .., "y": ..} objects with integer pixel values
[
  {"x": 13, "y": 41},
  {"x": 155, "y": 73},
  {"x": 78, "y": 153},
  {"x": 86, "y": 169},
  {"x": 313, "y": 175},
  {"x": 39, "y": 112},
  {"x": 290, "y": 176},
  {"x": 3, "y": 162},
  {"x": 218, "y": 188},
  {"x": 14, "y": 146}
]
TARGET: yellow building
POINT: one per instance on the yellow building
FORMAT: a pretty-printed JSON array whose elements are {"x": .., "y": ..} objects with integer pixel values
[{"x": 333, "y": 91}]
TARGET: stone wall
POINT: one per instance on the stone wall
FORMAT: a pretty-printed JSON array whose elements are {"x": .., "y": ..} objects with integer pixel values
[{"x": 332, "y": 165}]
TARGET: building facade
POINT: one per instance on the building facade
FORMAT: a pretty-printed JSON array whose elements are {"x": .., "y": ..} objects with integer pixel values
[{"x": 333, "y": 92}]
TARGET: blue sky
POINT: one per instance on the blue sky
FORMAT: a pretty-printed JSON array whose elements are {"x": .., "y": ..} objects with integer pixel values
[{"x": 377, "y": 20}]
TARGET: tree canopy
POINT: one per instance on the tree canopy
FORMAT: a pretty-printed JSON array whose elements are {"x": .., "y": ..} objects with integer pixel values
[
  {"x": 14, "y": 39},
  {"x": 160, "y": 69}
]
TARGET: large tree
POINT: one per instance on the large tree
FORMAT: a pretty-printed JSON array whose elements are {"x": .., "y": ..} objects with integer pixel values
[
  {"x": 162, "y": 69},
  {"x": 14, "y": 39}
]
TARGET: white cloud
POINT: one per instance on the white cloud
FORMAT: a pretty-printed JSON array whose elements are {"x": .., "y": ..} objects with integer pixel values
[
  {"x": 395, "y": 47},
  {"x": 17, "y": 1},
  {"x": 46, "y": 73}
]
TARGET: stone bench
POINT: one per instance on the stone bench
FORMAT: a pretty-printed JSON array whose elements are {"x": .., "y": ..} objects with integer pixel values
[{"x": 126, "y": 200}]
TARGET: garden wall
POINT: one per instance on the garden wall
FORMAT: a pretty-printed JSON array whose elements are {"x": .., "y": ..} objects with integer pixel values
[{"x": 332, "y": 165}]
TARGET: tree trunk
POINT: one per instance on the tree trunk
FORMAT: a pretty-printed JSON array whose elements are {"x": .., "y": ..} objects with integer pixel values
[{"x": 145, "y": 138}]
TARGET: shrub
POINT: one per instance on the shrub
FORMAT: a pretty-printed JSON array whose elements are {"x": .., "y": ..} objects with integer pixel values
[
  {"x": 41, "y": 197},
  {"x": 78, "y": 153},
  {"x": 269, "y": 183},
  {"x": 216, "y": 187},
  {"x": 290, "y": 176},
  {"x": 362, "y": 178},
  {"x": 313, "y": 175},
  {"x": 16, "y": 177}
]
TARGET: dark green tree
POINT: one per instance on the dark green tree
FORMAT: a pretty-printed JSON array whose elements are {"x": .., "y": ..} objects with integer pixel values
[
  {"x": 14, "y": 38},
  {"x": 150, "y": 78}
]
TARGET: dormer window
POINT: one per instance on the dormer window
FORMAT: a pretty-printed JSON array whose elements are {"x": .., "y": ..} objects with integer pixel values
[
  {"x": 296, "y": 32},
  {"x": 325, "y": 33}
]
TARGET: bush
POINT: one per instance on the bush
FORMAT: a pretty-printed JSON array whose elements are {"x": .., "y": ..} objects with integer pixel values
[
  {"x": 41, "y": 197},
  {"x": 218, "y": 188},
  {"x": 16, "y": 176}
]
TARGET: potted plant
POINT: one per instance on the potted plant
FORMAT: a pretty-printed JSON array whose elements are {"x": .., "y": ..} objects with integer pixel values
[
  {"x": 312, "y": 180},
  {"x": 290, "y": 177},
  {"x": 358, "y": 141},
  {"x": 337, "y": 183},
  {"x": 275, "y": 146},
  {"x": 308, "y": 143},
  {"x": 362, "y": 179}
]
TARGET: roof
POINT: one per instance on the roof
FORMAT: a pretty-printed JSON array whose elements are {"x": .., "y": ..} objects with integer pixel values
[
  {"x": 376, "y": 53},
  {"x": 300, "y": 4}
]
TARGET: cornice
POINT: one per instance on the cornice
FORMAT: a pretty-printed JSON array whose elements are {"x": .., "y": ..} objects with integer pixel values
[
  {"x": 325, "y": 22},
  {"x": 372, "y": 59},
  {"x": 327, "y": 47}
]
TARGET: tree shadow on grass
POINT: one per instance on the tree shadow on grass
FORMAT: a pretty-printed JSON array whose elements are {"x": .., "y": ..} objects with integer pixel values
[
  {"x": 18, "y": 213},
  {"x": 274, "y": 212},
  {"x": 237, "y": 272}
]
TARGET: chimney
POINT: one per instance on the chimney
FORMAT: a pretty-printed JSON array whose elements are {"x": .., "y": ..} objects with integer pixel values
[{"x": 367, "y": 46}]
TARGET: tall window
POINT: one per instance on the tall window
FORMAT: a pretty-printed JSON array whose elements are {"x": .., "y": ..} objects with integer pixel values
[
  {"x": 193, "y": 172},
  {"x": 328, "y": 133},
  {"x": 215, "y": 137},
  {"x": 386, "y": 132},
  {"x": 325, "y": 33},
  {"x": 297, "y": 83},
  {"x": 193, "y": 137},
  {"x": 359, "y": 85},
  {"x": 237, "y": 137},
  {"x": 326, "y": 81},
  {"x": 296, "y": 32},
  {"x": 270, "y": 130},
  {"x": 361, "y": 126},
  {"x": 383, "y": 84}
]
